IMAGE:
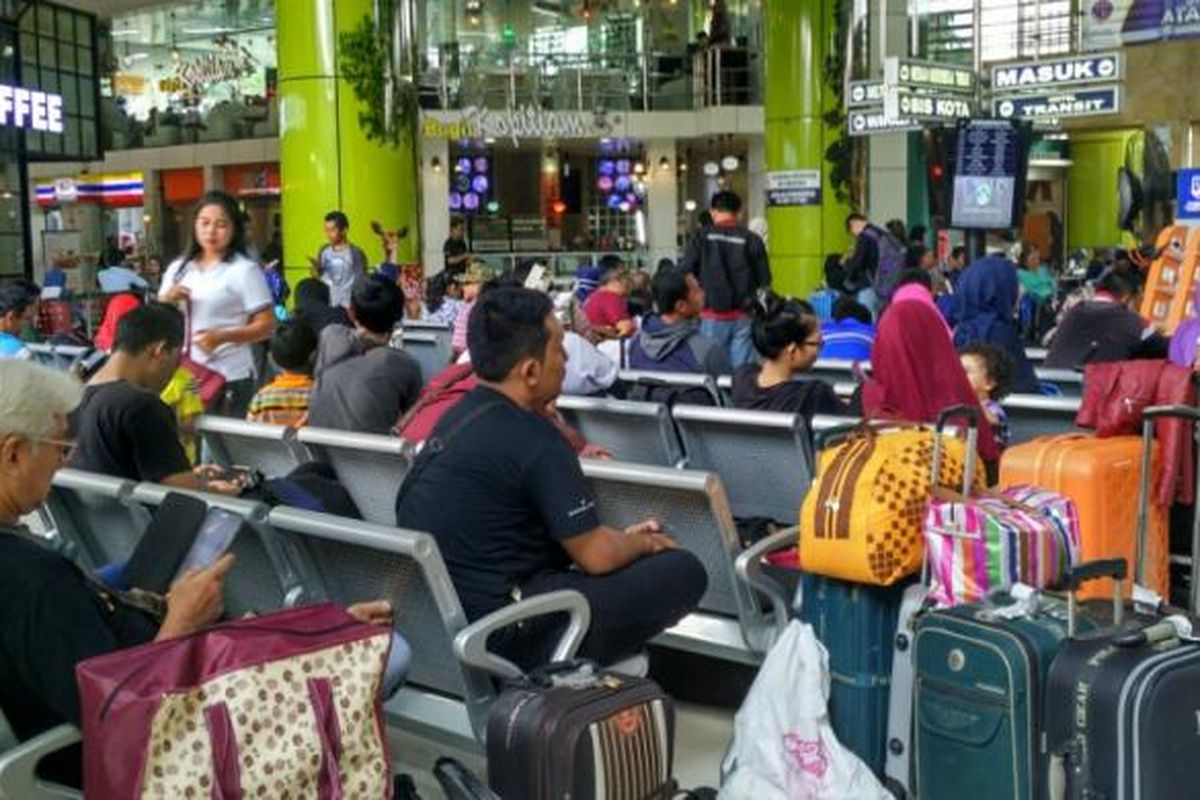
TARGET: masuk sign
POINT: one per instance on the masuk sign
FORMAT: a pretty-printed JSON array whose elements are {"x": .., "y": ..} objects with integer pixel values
[
  {"x": 1044, "y": 90},
  {"x": 1053, "y": 73}
]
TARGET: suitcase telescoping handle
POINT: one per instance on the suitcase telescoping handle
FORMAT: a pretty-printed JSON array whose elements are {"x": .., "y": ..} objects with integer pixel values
[
  {"x": 971, "y": 415},
  {"x": 1149, "y": 416},
  {"x": 1078, "y": 575}
]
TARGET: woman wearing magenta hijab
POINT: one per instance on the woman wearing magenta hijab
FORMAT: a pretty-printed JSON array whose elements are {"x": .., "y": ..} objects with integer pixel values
[{"x": 1183, "y": 343}]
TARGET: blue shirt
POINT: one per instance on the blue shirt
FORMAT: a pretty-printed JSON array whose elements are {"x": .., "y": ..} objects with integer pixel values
[
  {"x": 847, "y": 339},
  {"x": 12, "y": 347}
]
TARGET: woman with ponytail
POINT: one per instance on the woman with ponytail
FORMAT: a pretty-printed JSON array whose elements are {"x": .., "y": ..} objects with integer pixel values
[{"x": 787, "y": 336}]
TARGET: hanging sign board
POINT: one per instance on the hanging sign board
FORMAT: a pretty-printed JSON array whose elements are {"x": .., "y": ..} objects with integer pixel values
[
  {"x": 866, "y": 121},
  {"x": 794, "y": 187},
  {"x": 863, "y": 94},
  {"x": 928, "y": 75},
  {"x": 904, "y": 103},
  {"x": 1057, "y": 73},
  {"x": 1092, "y": 102}
]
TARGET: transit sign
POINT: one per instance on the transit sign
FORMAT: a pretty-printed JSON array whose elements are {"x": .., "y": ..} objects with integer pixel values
[
  {"x": 864, "y": 93},
  {"x": 904, "y": 103},
  {"x": 866, "y": 121},
  {"x": 928, "y": 75},
  {"x": 1090, "y": 102}
]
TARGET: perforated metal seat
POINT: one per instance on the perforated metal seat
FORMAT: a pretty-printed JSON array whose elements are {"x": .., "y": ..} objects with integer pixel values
[
  {"x": 641, "y": 433},
  {"x": 691, "y": 505},
  {"x": 431, "y": 350},
  {"x": 270, "y": 449},
  {"x": 370, "y": 467},
  {"x": 1033, "y": 415},
  {"x": 764, "y": 458},
  {"x": 96, "y": 514}
]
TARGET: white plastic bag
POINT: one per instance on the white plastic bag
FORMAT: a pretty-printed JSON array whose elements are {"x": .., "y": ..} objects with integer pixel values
[{"x": 783, "y": 746}]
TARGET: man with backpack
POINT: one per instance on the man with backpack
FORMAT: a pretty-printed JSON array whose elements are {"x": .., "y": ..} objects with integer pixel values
[
  {"x": 877, "y": 260},
  {"x": 730, "y": 261}
]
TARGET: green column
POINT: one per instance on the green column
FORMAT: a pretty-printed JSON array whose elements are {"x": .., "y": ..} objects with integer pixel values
[
  {"x": 326, "y": 161},
  {"x": 797, "y": 35}
]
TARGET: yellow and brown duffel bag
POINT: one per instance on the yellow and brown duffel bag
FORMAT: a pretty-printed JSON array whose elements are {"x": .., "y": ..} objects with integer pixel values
[{"x": 861, "y": 520}]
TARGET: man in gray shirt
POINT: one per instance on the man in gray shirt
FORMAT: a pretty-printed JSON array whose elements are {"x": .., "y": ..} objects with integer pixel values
[
  {"x": 363, "y": 385},
  {"x": 339, "y": 263}
]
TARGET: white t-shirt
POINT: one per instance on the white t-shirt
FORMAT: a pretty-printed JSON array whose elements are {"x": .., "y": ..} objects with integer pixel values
[{"x": 224, "y": 295}]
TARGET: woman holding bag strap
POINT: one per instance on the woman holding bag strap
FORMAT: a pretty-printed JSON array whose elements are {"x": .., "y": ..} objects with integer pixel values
[{"x": 227, "y": 301}]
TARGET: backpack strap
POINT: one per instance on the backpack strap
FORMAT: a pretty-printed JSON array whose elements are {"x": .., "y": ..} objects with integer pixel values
[{"x": 436, "y": 445}]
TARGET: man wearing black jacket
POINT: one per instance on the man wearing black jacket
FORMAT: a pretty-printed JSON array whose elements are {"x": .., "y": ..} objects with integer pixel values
[{"x": 730, "y": 262}]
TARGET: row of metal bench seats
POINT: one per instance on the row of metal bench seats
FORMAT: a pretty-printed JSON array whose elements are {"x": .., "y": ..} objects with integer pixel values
[{"x": 691, "y": 503}]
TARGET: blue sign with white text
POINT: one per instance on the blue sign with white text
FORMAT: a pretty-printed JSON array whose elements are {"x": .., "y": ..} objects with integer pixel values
[{"x": 1187, "y": 205}]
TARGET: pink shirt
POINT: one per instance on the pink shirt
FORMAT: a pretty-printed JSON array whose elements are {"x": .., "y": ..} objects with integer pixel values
[
  {"x": 459, "y": 339},
  {"x": 605, "y": 309}
]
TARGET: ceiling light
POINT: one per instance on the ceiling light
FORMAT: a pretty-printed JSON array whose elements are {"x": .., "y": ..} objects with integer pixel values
[
  {"x": 712, "y": 169},
  {"x": 664, "y": 164},
  {"x": 690, "y": 205},
  {"x": 730, "y": 163}
]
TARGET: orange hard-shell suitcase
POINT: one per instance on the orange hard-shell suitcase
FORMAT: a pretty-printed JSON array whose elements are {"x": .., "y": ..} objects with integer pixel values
[{"x": 1102, "y": 476}]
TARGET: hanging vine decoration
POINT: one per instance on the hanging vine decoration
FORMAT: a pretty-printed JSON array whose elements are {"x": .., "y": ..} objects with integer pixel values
[
  {"x": 840, "y": 153},
  {"x": 363, "y": 58}
]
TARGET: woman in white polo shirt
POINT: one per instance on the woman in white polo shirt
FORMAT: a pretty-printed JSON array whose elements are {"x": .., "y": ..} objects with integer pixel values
[{"x": 225, "y": 297}]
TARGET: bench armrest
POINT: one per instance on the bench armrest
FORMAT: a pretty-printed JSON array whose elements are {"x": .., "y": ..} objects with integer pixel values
[
  {"x": 470, "y": 645},
  {"x": 748, "y": 568},
  {"x": 18, "y": 767}
]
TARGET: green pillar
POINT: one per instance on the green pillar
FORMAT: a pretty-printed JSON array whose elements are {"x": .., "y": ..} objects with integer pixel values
[
  {"x": 326, "y": 160},
  {"x": 797, "y": 35}
]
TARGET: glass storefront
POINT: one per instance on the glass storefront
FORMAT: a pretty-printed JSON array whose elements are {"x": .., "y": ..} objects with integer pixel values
[
  {"x": 611, "y": 54},
  {"x": 190, "y": 72}
]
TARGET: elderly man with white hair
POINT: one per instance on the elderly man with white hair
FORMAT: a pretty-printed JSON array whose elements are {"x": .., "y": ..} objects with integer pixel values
[{"x": 53, "y": 615}]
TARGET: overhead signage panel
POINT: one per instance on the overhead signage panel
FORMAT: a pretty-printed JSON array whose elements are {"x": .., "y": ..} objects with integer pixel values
[
  {"x": 1187, "y": 201},
  {"x": 864, "y": 93},
  {"x": 795, "y": 187},
  {"x": 902, "y": 103},
  {"x": 866, "y": 121},
  {"x": 930, "y": 75},
  {"x": 1081, "y": 103},
  {"x": 1032, "y": 75}
]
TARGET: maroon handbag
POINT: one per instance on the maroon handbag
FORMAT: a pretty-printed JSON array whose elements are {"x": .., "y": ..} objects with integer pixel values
[
  {"x": 210, "y": 384},
  {"x": 286, "y": 704}
]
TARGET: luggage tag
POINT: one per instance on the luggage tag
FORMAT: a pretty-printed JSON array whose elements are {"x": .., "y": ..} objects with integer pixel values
[{"x": 1146, "y": 600}]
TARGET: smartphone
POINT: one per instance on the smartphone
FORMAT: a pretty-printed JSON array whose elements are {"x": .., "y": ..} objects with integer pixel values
[{"x": 216, "y": 535}]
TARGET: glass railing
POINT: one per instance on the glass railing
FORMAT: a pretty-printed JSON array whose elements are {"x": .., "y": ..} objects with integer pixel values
[
  {"x": 228, "y": 120},
  {"x": 727, "y": 76}
]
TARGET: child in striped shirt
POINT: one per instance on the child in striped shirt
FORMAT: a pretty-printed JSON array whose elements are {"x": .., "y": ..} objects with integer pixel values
[{"x": 285, "y": 400}]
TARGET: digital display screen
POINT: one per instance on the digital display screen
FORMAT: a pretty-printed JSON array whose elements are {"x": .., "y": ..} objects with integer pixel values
[{"x": 986, "y": 176}]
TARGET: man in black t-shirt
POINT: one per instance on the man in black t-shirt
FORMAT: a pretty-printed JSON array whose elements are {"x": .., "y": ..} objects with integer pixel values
[
  {"x": 458, "y": 255},
  {"x": 513, "y": 516},
  {"x": 122, "y": 427}
]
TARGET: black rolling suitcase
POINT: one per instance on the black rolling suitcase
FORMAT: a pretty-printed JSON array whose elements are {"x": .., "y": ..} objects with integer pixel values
[
  {"x": 574, "y": 731},
  {"x": 1122, "y": 712}
]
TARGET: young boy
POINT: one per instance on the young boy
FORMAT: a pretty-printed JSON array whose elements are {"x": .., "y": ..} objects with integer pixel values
[
  {"x": 285, "y": 400},
  {"x": 990, "y": 372}
]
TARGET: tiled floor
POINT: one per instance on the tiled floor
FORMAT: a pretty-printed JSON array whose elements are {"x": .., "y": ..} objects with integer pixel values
[{"x": 701, "y": 737}]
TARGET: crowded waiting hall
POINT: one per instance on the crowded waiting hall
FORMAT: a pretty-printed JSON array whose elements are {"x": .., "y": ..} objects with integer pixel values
[{"x": 599, "y": 399}]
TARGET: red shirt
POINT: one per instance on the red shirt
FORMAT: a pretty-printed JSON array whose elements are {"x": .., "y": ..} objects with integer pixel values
[{"x": 605, "y": 309}]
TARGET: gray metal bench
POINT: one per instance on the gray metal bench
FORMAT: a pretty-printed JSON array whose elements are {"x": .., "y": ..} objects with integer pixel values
[
  {"x": 641, "y": 433},
  {"x": 431, "y": 350},
  {"x": 449, "y": 687},
  {"x": 1033, "y": 415},
  {"x": 1068, "y": 381},
  {"x": 57, "y": 356},
  {"x": 730, "y": 622},
  {"x": 263, "y": 578},
  {"x": 96, "y": 514},
  {"x": 369, "y": 466},
  {"x": 19, "y": 763},
  {"x": 270, "y": 449},
  {"x": 842, "y": 388},
  {"x": 674, "y": 380},
  {"x": 764, "y": 458}
]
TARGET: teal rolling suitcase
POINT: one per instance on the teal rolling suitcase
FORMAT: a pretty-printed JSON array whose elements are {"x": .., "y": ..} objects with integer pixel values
[
  {"x": 856, "y": 624},
  {"x": 978, "y": 699}
]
